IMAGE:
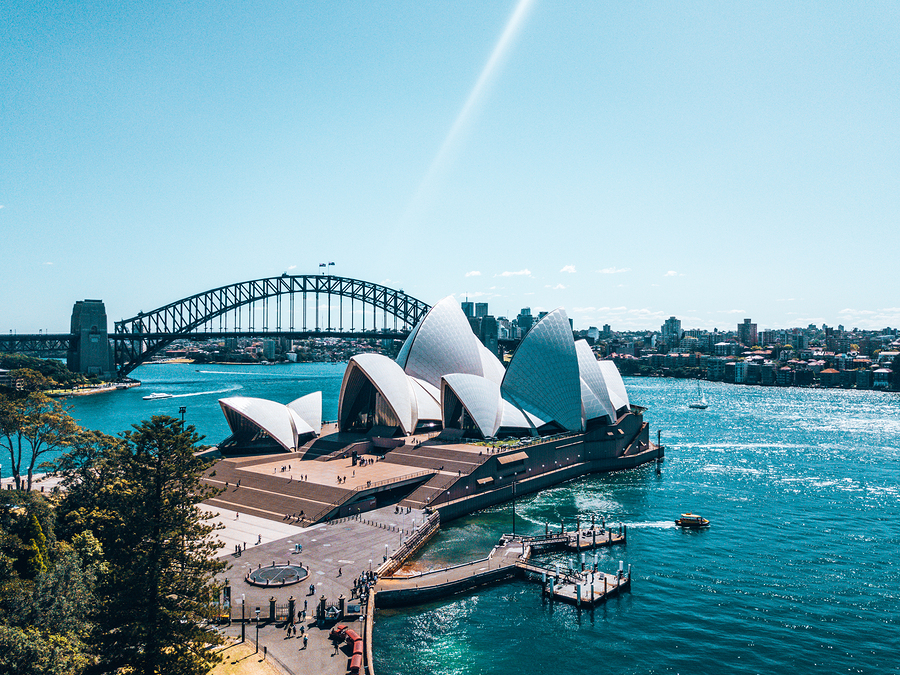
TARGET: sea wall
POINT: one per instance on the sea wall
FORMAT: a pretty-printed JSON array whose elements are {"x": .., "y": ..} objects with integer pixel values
[{"x": 538, "y": 466}]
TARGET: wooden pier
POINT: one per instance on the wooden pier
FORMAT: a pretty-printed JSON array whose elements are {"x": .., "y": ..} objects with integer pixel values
[
  {"x": 511, "y": 557},
  {"x": 580, "y": 539},
  {"x": 587, "y": 588}
]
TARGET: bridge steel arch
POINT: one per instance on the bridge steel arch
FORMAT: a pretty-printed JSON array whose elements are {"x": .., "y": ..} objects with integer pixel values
[{"x": 141, "y": 337}]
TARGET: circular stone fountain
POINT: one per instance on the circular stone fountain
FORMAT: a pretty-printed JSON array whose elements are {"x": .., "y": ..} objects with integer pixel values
[{"x": 277, "y": 575}]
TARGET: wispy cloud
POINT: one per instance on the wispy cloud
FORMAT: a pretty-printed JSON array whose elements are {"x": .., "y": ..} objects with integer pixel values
[
  {"x": 473, "y": 273},
  {"x": 292, "y": 267},
  {"x": 520, "y": 273},
  {"x": 671, "y": 273},
  {"x": 568, "y": 268},
  {"x": 867, "y": 319},
  {"x": 48, "y": 263},
  {"x": 614, "y": 270},
  {"x": 735, "y": 311},
  {"x": 558, "y": 287}
]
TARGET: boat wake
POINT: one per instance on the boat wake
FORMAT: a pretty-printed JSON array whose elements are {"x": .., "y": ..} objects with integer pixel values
[
  {"x": 656, "y": 524},
  {"x": 225, "y": 372},
  {"x": 233, "y": 387}
]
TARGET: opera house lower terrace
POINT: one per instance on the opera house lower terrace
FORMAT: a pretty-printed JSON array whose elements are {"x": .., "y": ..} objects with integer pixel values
[{"x": 443, "y": 427}]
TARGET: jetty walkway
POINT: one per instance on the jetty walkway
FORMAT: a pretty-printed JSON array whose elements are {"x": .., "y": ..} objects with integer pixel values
[{"x": 510, "y": 558}]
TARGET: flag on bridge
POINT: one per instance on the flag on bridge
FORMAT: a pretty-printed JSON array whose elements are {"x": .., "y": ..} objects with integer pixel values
[{"x": 321, "y": 264}]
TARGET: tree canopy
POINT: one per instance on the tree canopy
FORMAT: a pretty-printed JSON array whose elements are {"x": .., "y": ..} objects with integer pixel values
[
  {"x": 140, "y": 496},
  {"x": 116, "y": 571},
  {"x": 52, "y": 369},
  {"x": 31, "y": 426}
]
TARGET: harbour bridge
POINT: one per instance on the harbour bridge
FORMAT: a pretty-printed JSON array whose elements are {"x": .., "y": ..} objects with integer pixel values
[{"x": 287, "y": 306}]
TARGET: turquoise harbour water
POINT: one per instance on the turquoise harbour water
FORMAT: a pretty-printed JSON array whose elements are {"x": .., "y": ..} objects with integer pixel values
[{"x": 798, "y": 574}]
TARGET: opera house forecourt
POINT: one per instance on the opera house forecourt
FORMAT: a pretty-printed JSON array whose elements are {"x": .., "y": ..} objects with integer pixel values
[{"x": 449, "y": 427}]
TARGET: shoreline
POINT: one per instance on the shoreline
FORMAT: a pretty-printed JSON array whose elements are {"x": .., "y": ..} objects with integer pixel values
[{"x": 100, "y": 389}]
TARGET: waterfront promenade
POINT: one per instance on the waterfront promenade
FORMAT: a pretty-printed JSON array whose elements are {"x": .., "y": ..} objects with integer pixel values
[{"x": 335, "y": 555}]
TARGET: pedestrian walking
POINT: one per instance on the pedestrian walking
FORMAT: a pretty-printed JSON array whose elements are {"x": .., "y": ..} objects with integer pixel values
[
  {"x": 304, "y": 641},
  {"x": 339, "y": 571}
]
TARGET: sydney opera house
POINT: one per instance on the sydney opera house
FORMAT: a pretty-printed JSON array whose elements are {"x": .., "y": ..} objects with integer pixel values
[{"x": 555, "y": 412}]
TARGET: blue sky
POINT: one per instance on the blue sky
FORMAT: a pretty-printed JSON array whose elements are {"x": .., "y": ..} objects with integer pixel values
[{"x": 628, "y": 161}]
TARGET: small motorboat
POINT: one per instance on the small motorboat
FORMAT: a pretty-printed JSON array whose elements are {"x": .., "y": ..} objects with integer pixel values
[
  {"x": 157, "y": 396},
  {"x": 692, "y": 520}
]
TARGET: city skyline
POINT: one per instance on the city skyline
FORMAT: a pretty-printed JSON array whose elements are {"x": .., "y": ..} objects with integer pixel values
[{"x": 627, "y": 163}]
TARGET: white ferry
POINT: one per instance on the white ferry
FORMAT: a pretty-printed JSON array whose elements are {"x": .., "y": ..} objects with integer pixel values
[{"x": 157, "y": 396}]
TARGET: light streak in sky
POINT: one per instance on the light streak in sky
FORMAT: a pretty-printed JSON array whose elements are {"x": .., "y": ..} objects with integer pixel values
[{"x": 507, "y": 37}]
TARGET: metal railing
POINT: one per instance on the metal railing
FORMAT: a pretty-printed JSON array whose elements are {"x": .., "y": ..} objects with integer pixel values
[{"x": 362, "y": 488}]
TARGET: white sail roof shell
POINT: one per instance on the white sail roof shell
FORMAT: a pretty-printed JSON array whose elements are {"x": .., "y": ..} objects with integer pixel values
[
  {"x": 427, "y": 399},
  {"x": 390, "y": 381},
  {"x": 543, "y": 377},
  {"x": 490, "y": 364},
  {"x": 479, "y": 396},
  {"x": 596, "y": 399},
  {"x": 442, "y": 343},
  {"x": 590, "y": 404},
  {"x": 513, "y": 418},
  {"x": 614, "y": 384},
  {"x": 309, "y": 408},
  {"x": 282, "y": 424}
]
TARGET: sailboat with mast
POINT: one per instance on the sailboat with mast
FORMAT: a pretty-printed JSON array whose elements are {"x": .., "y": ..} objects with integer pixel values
[{"x": 700, "y": 403}]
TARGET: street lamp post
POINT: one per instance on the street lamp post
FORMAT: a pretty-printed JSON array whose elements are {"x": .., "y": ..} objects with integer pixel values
[
  {"x": 514, "y": 508},
  {"x": 257, "y": 631},
  {"x": 243, "y": 626},
  {"x": 182, "y": 410}
]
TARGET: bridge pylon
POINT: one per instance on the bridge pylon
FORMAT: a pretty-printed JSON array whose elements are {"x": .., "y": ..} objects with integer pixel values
[{"x": 89, "y": 349}]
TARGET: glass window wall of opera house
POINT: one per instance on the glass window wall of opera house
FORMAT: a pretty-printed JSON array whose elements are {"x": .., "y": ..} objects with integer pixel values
[{"x": 445, "y": 378}]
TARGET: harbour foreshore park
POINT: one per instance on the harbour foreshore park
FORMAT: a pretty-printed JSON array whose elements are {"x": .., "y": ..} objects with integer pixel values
[{"x": 320, "y": 520}]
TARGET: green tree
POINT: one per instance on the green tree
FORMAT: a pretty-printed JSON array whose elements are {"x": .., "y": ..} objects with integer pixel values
[
  {"x": 29, "y": 380},
  {"x": 46, "y": 594},
  {"x": 37, "y": 548},
  {"x": 29, "y": 651},
  {"x": 30, "y": 427},
  {"x": 92, "y": 476},
  {"x": 63, "y": 598},
  {"x": 140, "y": 497},
  {"x": 49, "y": 368}
]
